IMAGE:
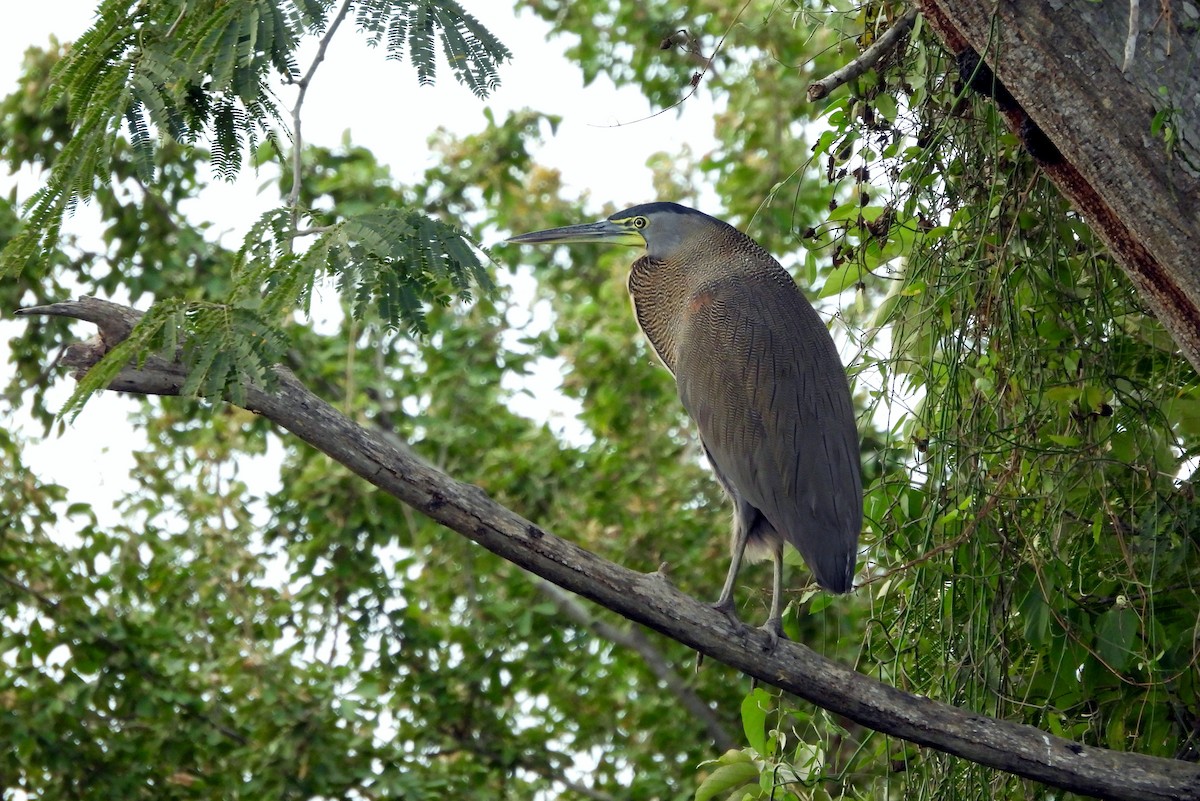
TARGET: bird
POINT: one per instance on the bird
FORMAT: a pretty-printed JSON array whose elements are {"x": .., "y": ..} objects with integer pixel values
[{"x": 759, "y": 374}]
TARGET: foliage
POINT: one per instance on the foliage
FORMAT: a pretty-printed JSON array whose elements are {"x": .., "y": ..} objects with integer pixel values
[
  {"x": 1027, "y": 431},
  {"x": 393, "y": 260},
  {"x": 185, "y": 71},
  {"x": 473, "y": 52}
]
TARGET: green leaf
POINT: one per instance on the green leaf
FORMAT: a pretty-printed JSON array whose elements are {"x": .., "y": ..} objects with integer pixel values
[
  {"x": 755, "y": 706},
  {"x": 727, "y": 778},
  {"x": 1115, "y": 631},
  {"x": 1066, "y": 440},
  {"x": 841, "y": 279},
  {"x": 1036, "y": 614}
]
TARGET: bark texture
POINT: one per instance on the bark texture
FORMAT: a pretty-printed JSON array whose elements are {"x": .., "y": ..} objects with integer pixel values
[
  {"x": 650, "y": 599},
  {"x": 1065, "y": 63}
]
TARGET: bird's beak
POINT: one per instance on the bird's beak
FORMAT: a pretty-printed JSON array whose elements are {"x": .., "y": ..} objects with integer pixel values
[{"x": 605, "y": 231}]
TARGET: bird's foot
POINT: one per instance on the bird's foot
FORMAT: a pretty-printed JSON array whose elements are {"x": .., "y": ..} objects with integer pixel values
[
  {"x": 726, "y": 608},
  {"x": 774, "y": 631}
]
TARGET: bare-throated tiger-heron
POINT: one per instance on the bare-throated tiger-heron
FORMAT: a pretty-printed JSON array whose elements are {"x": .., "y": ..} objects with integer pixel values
[{"x": 759, "y": 374}]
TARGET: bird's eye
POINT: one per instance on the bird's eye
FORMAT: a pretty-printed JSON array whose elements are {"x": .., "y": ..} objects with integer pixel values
[{"x": 639, "y": 222}]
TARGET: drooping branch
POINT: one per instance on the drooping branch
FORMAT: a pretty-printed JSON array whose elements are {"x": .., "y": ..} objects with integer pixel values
[
  {"x": 866, "y": 60},
  {"x": 650, "y": 599}
]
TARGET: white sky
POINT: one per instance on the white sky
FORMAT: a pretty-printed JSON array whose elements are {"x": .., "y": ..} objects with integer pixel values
[{"x": 93, "y": 457}]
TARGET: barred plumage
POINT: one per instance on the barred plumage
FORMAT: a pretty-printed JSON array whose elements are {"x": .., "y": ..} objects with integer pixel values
[{"x": 759, "y": 374}]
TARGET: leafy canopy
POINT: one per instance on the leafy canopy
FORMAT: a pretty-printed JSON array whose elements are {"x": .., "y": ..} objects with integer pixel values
[
  {"x": 208, "y": 72},
  {"x": 1027, "y": 433}
]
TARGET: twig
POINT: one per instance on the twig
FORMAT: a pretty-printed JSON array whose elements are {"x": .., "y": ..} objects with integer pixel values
[
  {"x": 296, "y": 233},
  {"x": 48, "y": 604},
  {"x": 302, "y": 92},
  {"x": 1134, "y": 30},
  {"x": 706, "y": 67},
  {"x": 869, "y": 58},
  {"x": 182, "y": 13}
]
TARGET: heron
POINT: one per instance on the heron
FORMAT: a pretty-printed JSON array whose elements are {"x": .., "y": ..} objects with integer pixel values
[{"x": 759, "y": 374}]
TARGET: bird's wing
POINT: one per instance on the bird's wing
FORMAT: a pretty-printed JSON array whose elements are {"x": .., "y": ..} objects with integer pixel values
[{"x": 760, "y": 375}]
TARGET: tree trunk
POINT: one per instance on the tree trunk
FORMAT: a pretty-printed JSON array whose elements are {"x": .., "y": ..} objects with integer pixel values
[{"x": 1116, "y": 87}]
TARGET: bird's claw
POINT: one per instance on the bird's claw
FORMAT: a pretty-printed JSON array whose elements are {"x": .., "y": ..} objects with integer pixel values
[
  {"x": 727, "y": 609},
  {"x": 774, "y": 631}
]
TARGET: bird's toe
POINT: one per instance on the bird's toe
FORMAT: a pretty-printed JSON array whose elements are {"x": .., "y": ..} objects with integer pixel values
[
  {"x": 774, "y": 631},
  {"x": 727, "y": 609}
]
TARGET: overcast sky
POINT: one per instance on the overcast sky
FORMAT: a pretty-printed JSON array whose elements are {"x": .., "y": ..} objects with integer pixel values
[{"x": 385, "y": 110}]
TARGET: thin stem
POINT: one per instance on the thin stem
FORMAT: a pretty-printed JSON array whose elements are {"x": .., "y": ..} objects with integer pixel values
[
  {"x": 297, "y": 138},
  {"x": 316, "y": 229}
]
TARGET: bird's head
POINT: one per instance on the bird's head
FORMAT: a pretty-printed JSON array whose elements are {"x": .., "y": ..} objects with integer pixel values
[{"x": 661, "y": 228}]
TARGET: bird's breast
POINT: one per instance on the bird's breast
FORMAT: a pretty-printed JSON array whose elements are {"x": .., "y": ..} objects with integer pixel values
[{"x": 662, "y": 297}]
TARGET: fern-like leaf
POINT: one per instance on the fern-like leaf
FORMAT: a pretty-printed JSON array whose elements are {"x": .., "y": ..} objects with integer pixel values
[
  {"x": 392, "y": 263},
  {"x": 139, "y": 141},
  {"x": 420, "y": 43},
  {"x": 228, "y": 348},
  {"x": 473, "y": 52}
]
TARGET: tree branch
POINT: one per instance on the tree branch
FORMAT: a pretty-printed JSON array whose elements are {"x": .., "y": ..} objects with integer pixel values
[
  {"x": 866, "y": 60},
  {"x": 628, "y": 637},
  {"x": 650, "y": 599}
]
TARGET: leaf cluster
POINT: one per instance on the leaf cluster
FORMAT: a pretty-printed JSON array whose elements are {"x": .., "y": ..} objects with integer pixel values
[
  {"x": 179, "y": 72},
  {"x": 474, "y": 54},
  {"x": 392, "y": 261}
]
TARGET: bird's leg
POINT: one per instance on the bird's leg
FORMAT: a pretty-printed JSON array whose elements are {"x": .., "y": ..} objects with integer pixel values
[
  {"x": 724, "y": 604},
  {"x": 774, "y": 625}
]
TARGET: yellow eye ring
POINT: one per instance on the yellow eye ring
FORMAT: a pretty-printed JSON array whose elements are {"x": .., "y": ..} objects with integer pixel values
[{"x": 639, "y": 222}]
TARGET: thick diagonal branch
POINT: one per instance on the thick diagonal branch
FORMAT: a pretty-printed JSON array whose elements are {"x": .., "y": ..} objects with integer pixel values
[
  {"x": 1063, "y": 62},
  {"x": 650, "y": 599}
]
